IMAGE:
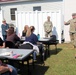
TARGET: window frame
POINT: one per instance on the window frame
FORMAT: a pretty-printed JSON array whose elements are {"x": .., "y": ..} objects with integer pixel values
[
  {"x": 34, "y": 8},
  {"x": 12, "y": 13}
]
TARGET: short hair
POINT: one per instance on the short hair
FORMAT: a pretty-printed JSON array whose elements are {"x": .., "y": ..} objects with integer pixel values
[
  {"x": 3, "y": 20},
  {"x": 73, "y": 14},
  {"x": 11, "y": 29},
  {"x": 32, "y": 28},
  {"x": 48, "y": 16}
]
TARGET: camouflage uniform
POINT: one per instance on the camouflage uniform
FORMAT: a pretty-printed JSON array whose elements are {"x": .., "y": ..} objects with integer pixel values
[
  {"x": 72, "y": 31},
  {"x": 48, "y": 28}
]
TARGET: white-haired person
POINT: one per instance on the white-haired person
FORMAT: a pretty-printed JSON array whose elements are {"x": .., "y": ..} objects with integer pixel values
[{"x": 4, "y": 28}]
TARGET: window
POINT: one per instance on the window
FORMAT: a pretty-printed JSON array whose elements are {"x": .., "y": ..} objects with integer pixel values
[
  {"x": 38, "y": 8},
  {"x": 12, "y": 12}
]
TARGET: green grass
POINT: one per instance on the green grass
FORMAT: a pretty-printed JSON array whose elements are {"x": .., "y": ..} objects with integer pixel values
[{"x": 62, "y": 63}]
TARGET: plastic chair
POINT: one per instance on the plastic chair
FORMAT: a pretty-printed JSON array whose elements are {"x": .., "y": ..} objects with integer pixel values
[
  {"x": 52, "y": 41},
  {"x": 26, "y": 46}
]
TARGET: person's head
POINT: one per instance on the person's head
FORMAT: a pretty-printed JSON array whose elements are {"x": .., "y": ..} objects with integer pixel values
[
  {"x": 48, "y": 18},
  {"x": 25, "y": 28},
  {"x": 4, "y": 21},
  {"x": 10, "y": 30},
  {"x": 32, "y": 28},
  {"x": 74, "y": 15}
]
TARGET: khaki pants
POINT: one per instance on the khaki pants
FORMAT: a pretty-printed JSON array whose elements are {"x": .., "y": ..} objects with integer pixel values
[
  {"x": 48, "y": 34},
  {"x": 73, "y": 38}
]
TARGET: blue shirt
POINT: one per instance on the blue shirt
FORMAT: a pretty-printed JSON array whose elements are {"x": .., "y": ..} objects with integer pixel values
[
  {"x": 4, "y": 28},
  {"x": 32, "y": 39}
]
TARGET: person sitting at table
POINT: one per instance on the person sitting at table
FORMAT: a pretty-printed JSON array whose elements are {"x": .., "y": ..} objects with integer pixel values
[
  {"x": 11, "y": 36},
  {"x": 32, "y": 38},
  {"x": 35, "y": 48},
  {"x": 2, "y": 44},
  {"x": 24, "y": 31},
  {"x": 4, "y": 68},
  {"x": 28, "y": 33}
]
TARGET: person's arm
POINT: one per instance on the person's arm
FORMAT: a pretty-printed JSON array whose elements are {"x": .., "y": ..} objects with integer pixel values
[
  {"x": 35, "y": 39},
  {"x": 67, "y": 23},
  {"x": 23, "y": 33},
  {"x": 51, "y": 26},
  {"x": 2, "y": 26},
  {"x": 16, "y": 38},
  {"x": 45, "y": 27},
  {"x": 7, "y": 26},
  {"x": 4, "y": 69},
  {"x": 3, "y": 45}
]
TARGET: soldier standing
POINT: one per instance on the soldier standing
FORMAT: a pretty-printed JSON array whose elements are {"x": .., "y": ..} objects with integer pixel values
[
  {"x": 72, "y": 30},
  {"x": 48, "y": 27}
]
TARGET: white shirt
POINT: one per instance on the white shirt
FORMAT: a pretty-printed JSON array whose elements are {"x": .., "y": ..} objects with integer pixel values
[{"x": 35, "y": 47}]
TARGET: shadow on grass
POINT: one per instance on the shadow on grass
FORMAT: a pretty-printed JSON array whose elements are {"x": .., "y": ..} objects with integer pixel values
[
  {"x": 37, "y": 70},
  {"x": 50, "y": 52},
  {"x": 53, "y": 51}
]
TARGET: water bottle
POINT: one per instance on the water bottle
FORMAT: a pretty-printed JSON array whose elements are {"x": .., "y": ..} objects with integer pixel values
[
  {"x": 11, "y": 53},
  {"x": 38, "y": 35}
]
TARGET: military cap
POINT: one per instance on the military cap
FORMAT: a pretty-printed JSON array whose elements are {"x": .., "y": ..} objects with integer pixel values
[{"x": 73, "y": 14}]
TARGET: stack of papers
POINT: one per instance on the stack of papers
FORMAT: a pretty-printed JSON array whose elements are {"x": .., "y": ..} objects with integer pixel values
[{"x": 5, "y": 54}]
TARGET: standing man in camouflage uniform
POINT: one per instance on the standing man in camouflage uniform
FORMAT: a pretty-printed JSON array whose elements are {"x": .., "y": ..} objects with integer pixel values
[
  {"x": 72, "y": 31},
  {"x": 48, "y": 27}
]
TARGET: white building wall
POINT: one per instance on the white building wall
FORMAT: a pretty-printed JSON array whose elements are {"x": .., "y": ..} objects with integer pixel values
[
  {"x": 28, "y": 6},
  {"x": 49, "y": 5},
  {"x": 1, "y": 17},
  {"x": 69, "y": 8},
  {"x": 37, "y": 18}
]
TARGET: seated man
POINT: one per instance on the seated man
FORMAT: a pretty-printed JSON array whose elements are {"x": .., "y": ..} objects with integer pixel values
[{"x": 5, "y": 67}]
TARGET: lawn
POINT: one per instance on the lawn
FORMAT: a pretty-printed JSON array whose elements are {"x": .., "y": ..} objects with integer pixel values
[{"x": 62, "y": 63}]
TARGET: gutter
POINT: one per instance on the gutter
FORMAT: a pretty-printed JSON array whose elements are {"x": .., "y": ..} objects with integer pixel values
[{"x": 16, "y": 1}]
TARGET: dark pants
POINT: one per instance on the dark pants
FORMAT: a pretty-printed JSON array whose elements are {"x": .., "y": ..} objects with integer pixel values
[
  {"x": 4, "y": 37},
  {"x": 41, "y": 50}
]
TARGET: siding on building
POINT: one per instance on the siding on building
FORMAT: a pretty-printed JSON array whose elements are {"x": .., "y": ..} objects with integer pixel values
[{"x": 28, "y": 6}]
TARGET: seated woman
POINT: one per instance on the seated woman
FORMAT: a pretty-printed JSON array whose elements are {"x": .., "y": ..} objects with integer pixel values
[
  {"x": 11, "y": 36},
  {"x": 24, "y": 31},
  {"x": 32, "y": 38},
  {"x": 5, "y": 67}
]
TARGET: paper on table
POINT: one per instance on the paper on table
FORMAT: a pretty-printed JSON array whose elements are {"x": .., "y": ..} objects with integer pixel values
[
  {"x": 16, "y": 56},
  {"x": 5, "y": 54}
]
